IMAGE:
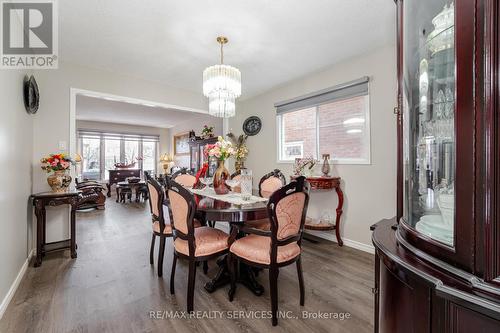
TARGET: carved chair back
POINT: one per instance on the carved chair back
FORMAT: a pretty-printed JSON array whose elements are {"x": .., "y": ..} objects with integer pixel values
[{"x": 271, "y": 182}]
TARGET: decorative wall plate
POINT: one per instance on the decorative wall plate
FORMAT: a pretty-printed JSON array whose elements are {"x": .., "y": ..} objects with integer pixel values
[
  {"x": 252, "y": 125},
  {"x": 31, "y": 95}
]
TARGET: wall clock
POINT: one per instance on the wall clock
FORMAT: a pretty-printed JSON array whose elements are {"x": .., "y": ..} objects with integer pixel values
[
  {"x": 31, "y": 95},
  {"x": 252, "y": 125}
]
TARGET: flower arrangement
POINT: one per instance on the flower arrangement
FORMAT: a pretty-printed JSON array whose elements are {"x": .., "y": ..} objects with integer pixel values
[
  {"x": 222, "y": 149},
  {"x": 302, "y": 163},
  {"x": 207, "y": 131},
  {"x": 240, "y": 144},
  {"x": 56, "y": 162}
]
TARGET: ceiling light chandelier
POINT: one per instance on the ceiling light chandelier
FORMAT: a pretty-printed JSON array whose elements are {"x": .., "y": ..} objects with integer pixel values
[{"x": 222, "y": 85}]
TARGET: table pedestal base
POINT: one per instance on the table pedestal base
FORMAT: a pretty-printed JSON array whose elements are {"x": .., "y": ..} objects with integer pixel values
[{"x": 246, "y": 277}]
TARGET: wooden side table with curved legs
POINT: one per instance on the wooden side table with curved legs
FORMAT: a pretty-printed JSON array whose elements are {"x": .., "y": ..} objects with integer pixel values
[{"x": 323, "y": 183}]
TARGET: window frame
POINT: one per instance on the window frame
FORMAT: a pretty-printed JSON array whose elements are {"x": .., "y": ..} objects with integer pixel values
[
  {"x": 121, "y": 137},
  {"x": 334, "y": 159}
]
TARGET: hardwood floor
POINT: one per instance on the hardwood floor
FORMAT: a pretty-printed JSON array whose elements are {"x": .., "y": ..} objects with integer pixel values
[{"x": 112, "y": 288}]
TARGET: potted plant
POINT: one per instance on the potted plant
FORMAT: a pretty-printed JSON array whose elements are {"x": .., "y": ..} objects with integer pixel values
[
  {"x": 241, "y": 150},
  {"x": 221, "y": 150},
  {"x": 207, "y": 132},
  {"x": 59, "y": 164}
]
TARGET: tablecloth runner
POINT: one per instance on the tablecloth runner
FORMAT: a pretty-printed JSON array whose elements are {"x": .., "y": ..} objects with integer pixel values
[{"x": 231, "y": 197}]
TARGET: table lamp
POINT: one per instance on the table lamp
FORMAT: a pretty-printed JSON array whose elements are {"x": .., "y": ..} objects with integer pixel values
[{"x": 166, "y": 159}]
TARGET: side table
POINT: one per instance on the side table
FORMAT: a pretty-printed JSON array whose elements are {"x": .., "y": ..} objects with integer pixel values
[
  {"x": 40, "y": 201},
  {"x": 325, "y": 183}
]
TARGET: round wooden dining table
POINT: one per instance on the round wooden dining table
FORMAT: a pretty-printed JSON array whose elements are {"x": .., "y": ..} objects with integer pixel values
[{"x": 213, "y": 210}]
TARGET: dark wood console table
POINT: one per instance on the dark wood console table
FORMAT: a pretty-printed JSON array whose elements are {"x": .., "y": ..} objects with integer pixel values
[
  {"x": 40, "y": 201},
  {"x": 120, "y": 175},
  {"x": 323, "y": 183}
]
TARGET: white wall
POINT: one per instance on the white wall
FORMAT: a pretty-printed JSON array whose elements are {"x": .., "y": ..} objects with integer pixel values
[
  {"x": 52, "y": 122},
  {"x": 196, "y": 125},
  {"x": 163, "y": 133},
  {"x": 369, "y": 189},
  {"x": 16, "y": 153}
]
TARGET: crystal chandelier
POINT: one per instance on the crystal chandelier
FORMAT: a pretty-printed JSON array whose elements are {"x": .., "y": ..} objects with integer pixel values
[{"x": 222, "y": 85}]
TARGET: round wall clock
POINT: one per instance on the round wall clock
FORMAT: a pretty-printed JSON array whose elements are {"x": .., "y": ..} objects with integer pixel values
[
  {"x": 252, "y": 125},
  {"x": 31, "y": 95}
]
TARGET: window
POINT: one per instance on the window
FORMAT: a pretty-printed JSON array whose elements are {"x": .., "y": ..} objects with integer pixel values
[
  {"x": 101, "y": 151},
  {"x": 149, "y": 156},
  {"x": 91, "y": 153},
  {"x": 335, "y": 121},
  {"x": 112, "y": 154}
]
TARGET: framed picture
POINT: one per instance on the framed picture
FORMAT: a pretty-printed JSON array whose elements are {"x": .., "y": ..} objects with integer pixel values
[{"x": 181, "y": 144}]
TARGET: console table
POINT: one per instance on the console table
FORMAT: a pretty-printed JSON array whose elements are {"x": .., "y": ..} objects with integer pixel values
[
  {"x": 323, "y": 183},
  {"x": 120, "y": 175},
  {"x": 40, "y": 201}
]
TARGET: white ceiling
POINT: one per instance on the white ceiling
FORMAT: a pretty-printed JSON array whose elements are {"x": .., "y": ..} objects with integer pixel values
[
  {"x": 123, "y": 112},
  {"x": 270, "y": 41}
]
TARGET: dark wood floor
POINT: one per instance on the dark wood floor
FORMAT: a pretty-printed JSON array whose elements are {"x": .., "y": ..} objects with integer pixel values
[{"x": 112, "y": 288}]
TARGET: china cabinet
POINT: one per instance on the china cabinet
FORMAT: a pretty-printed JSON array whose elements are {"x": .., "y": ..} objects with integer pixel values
[
  {"x": 437, "y": 263},
  {"x": 197, "y": 157}
]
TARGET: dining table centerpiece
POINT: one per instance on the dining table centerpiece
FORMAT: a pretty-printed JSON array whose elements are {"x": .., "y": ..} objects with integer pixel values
[
  {"x": 221, "y": 150},
  {"x": 58, "y": 165},
  {"x": 240, "y": 145}
]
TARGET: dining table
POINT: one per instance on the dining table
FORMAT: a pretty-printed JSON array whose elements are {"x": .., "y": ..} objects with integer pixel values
[{"x": 210, "y": 209}]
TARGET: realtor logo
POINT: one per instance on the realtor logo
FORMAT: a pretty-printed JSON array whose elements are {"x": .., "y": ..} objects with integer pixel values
[{"x": 28, "y": 34}]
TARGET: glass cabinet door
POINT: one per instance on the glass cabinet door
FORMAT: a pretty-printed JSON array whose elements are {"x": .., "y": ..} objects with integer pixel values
[{"x": 429, "y": 83}]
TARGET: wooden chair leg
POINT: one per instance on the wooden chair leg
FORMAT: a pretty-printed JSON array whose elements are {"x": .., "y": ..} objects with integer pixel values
[
  {"x": 301, "y": 281},
  {"x": 161, "y": 253},
  {"x": 191, "y": 280},
  {"x": 152, "y": 250},
  {"x": 273, "y": 279},
  {"x": 205, "y": 267},
  {"x": 231, "y": 265},
  {"x": 172, "y": 274}
]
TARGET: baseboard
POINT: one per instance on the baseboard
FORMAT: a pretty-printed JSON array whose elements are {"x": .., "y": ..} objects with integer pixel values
[
  {"x": 15, "y": 285},
  {"x": 360, "y": 246},
  {"x": 347, "y": 242}
]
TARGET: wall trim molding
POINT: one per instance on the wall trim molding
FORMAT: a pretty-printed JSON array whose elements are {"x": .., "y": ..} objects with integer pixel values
[
  {"x": 15, "y": 284},
  {"x": 347, "y": 242}
]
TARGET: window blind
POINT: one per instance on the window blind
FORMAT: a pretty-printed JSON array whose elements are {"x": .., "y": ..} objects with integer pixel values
[
  {"x": 350, "y": 89},
  {"x": 118, "y": 136}
]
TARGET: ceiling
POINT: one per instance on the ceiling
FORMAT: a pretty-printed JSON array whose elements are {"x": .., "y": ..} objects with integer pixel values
[
  {"x": 124, "y": 112},
  {"x": 172, "y": 41}
]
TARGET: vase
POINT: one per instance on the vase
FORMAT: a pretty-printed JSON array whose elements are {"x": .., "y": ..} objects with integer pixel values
[
  {"x": 326, "y": 165},
  {"x": 220, "y": 177},
  {"x": 239, "y": 164},
  {"x": 59, "y": 181}
]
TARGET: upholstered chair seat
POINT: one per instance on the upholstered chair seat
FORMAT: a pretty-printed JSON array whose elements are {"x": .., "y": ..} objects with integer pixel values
[
  {"x": 257, "y": 249},
  {"x": 207, "y": 241}
]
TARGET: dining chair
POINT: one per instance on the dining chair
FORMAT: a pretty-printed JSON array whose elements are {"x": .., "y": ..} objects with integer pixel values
[
  {"x": 190, "y": 243},
  {"x": 278, "y": 247},
  {"x": 236, "y": 176},
  {"x": 184, "y": 177},
  {"x": 161, "y": 228},
  {"x": 268, "y": 184}
]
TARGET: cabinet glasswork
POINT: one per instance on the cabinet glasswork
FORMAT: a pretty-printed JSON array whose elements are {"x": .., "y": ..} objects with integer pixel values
[{"x": 437, "y": 266}]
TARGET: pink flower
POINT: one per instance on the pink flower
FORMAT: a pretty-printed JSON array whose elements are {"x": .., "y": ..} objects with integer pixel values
[{"x": 65, "y": 164}]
